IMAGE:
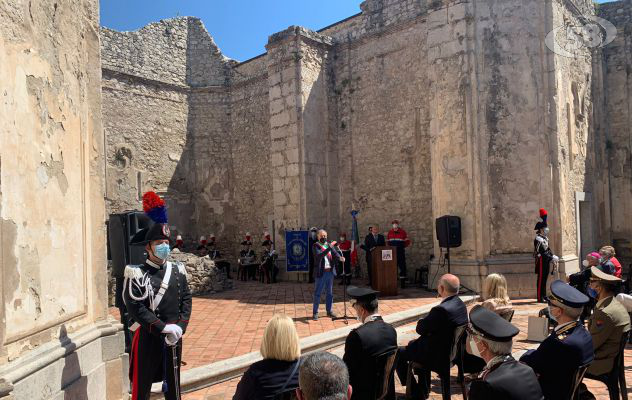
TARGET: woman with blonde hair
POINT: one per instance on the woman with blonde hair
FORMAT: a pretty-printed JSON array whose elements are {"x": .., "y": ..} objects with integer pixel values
[
  {"x": 278, "y": 371},
  {"x": 495, "y": 297}
]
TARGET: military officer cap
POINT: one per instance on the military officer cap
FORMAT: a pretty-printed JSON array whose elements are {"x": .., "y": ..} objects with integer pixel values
[
  {"x": 362, "y": 294},
  {"x": 602, "y": 276},
  {"x": 564, "y": 294},
  {"x": 490, "y": 325},
  {"x": 155, "y": 209}
]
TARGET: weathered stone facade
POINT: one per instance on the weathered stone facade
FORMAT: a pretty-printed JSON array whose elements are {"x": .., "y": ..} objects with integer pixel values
[
  {"x": 411, "y": 109},
  {"x": 56, "y": 339}
]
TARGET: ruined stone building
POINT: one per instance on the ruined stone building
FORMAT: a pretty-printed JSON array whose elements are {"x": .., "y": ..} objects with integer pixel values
[{"x": 410, "y": 109}]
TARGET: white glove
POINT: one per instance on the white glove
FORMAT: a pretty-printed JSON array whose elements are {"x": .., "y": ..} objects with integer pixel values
[
  {"x": 174, "y": 330},
  {"x": 555, "y": 259},
  {"x": 171, "y": 339},
  {"x": 342, "y": 259}
]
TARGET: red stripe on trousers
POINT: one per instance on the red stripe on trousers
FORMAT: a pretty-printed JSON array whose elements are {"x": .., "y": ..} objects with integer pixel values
[
  {"x": 540, "y": 281},
  {"x": 135, "y": 366}
]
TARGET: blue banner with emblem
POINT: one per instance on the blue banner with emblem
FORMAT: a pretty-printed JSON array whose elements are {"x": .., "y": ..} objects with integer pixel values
[{"x": 297, "y": 251}]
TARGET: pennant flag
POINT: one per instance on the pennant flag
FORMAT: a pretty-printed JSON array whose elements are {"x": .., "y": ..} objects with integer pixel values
[{"x": 354, "y": 238}]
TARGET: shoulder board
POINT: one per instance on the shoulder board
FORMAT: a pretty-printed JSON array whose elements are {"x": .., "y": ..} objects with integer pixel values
[
  {"x": 133, "y": 271},
  {"x": 181, "y": 268}
]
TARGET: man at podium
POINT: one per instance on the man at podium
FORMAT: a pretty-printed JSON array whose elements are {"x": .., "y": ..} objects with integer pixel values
[{"x": 372, "y": 240}]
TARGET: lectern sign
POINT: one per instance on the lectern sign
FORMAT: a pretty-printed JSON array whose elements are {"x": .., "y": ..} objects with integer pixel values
[
  {"x": 296, "y": 250},
  {"x": 387, "y": 255}
]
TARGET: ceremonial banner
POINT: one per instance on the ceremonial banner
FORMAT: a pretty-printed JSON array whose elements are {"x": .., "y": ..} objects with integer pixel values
[{"x": 296, "y": 250}]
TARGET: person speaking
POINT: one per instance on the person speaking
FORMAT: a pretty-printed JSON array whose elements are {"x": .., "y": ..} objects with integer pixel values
[{"x": 325, "y": 254}]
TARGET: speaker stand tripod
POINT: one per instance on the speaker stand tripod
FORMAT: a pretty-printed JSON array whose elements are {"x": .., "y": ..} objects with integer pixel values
[
  {"x": 447, "y": 257},
  {"x": 345, "y": 317}
]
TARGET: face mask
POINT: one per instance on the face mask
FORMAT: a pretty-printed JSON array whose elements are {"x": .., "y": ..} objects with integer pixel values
[
  {"x": 474, "y": 348},
  {"x": 545, "y": 231},
  {"x": 585, "y": 263},
  {"x": 592, "y": 293},
  {"x": 395, "y": 226},
  {"x": 342, "y": 238},
  {"x": 551, "y": 314},
  {"x": 162, "y": 251},
  {"x": 323, "y": 240}
]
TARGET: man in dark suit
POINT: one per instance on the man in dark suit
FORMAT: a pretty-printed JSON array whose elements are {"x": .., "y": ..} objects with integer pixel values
[
  {"x": 490, "y": 337},
  {"x": 364, "y": 344},
  {"x": 568, "y": 347},
  {"x": 371, "y": 241},
  {"x": 432, "y": 348}
]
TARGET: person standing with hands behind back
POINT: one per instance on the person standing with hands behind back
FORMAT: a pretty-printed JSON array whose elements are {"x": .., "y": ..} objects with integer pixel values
[{"x": 325, "y": 254}]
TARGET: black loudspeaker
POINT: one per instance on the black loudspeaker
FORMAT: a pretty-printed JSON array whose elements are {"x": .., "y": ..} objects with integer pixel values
[
  {"x": 121, "y": 228},
  {"x": 448, "y": 230}
]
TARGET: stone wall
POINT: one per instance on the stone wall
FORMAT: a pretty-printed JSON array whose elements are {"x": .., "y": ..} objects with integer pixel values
[
  {"x": 380, "y": 92},
  {"x": 56, "y": 340},
  {"x": 613, "y": 135},
  {"x": 251, "y": 147}
]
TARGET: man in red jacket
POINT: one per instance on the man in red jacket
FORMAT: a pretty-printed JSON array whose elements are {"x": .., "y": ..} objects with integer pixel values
[{"x": 398, "y": 238}]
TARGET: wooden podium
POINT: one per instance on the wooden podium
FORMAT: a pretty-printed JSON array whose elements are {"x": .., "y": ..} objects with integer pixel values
[{"x": 384, "y": 270}]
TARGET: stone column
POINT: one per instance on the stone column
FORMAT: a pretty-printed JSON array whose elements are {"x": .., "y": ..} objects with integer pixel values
[
  {"x": 299, "y": 129},
  {"x": 494, "y": 138}
]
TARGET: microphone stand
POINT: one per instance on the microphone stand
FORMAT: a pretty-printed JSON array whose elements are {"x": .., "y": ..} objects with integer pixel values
[{"x": 344, "y": 288}]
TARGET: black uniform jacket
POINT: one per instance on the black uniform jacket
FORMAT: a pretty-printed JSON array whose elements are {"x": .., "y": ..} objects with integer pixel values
[
  {"x": 508, "y": 380},
  {"x": 362, "y": 347},
  {"x": 370, "y": 242},
  {"x": 558, "y": 357},
  {"x": 263, "y": 379},
  {"x": 541, "y": 248},
  {"x": 436, "y": 331},
  {"x": 175, "y": 307}
]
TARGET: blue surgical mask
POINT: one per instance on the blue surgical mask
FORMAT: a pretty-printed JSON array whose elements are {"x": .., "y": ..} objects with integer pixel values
[
  {"x": 162, "y": 251},
  {"x": 592, "y": 293}
]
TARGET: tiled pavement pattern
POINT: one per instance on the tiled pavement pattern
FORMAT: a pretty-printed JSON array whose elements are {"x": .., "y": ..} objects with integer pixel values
[
  {"x": 524, "y": 308},
  {"x": 231, "y": 323}
]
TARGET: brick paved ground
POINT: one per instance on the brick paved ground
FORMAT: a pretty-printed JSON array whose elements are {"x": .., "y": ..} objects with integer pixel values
[
  {"x": 231, "y": 323},
  {"x": 524, "y": 308}
]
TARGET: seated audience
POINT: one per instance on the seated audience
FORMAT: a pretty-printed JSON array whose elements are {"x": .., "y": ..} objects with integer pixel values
[
  {"x": 269, "y": 268},
  {"x": 491, "y": 338},
  {"x": 366, "y": 343},
  {"x": 569, "y": 346},
  {"x": 607, "y": 254},
  {"x": 278, "y": 371},
  {"x": 608, "y": 322},
  {"x": 495, "y": 296},
  {"x": 246, "y": 260},
  {"x": 323, "y": 376},
  {"x": 432, "y": 348}
]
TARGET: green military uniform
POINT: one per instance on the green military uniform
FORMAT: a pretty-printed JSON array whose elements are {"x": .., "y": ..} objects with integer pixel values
[{"x": 606, "y": 326}]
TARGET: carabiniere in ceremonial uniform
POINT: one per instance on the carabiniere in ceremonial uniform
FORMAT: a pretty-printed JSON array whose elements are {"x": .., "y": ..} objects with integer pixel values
[
  {"x": 158, "y": 299},
  {"x": 566, "y": 349}
]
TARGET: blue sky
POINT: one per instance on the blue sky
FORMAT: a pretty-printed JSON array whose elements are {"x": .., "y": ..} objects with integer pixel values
[{"x": 240, "y": 27}]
